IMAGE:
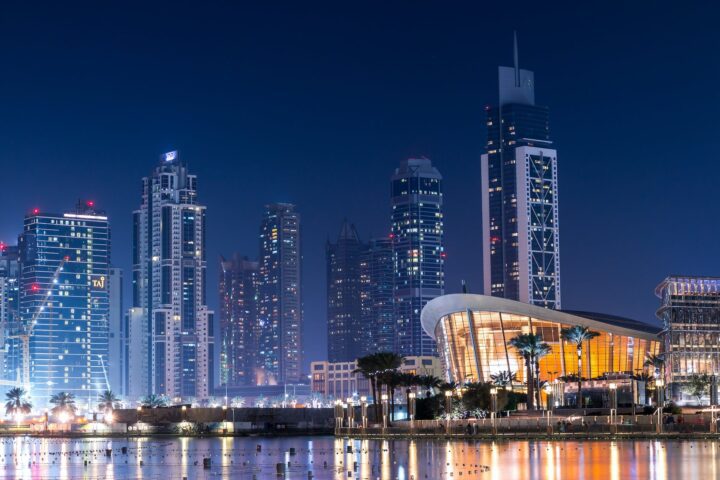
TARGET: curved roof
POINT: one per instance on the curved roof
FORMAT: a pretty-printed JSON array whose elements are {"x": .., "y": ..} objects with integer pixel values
[{"x": 460, "y": 302}]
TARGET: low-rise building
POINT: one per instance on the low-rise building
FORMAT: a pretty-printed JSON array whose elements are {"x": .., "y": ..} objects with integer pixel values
[{"x": 338, "y": 380}]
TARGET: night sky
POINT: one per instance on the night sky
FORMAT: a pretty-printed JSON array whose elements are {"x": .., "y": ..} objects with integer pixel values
[{"x": 316, "y": 104}]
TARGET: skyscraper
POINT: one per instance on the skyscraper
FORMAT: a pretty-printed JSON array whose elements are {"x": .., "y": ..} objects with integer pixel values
[
  {"x": 376, "y": 296},
  {"x": 280, "y": 303},
  {"x": 169, "y": 302},
  {"x": 65, "y": 261},
  {"x": 347, "y": 334},
  {"x": 418, "y": 255},
  {"x": 521, "y": 239},
  {"x": 9, "y": 311},
  {"x": 238, "y": 321}
]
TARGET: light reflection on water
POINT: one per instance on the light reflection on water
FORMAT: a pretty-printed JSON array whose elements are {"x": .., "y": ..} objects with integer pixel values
[{"x": 329, "y": 458}]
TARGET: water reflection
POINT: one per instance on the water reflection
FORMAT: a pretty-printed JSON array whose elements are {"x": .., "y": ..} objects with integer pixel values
[{"x": 328, "y": 458}]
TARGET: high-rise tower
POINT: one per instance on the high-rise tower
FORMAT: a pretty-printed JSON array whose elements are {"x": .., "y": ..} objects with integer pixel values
[
  {"x": 238, "y": 321},
  {"x": 280, "y": 303},
  {"x": 9, "y": 311},
  {"x": 418, "y": 255},
  {"x": 65, "y": 261},
  {"x": 376, "y": 296},
  {"x": 346, "y": 330},
  {"x": 169, "y": 305},
  {"x": 521, "y": 239}
]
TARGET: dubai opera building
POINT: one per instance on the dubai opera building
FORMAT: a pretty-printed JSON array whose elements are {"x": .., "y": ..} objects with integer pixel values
[{"x": 473, "y": 331}]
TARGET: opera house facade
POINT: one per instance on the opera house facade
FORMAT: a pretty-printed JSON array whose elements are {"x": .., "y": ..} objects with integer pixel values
[{"x": 473, "y": 331}]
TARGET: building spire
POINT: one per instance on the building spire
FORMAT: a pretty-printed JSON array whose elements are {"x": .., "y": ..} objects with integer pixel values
[{"x": 515, "y": 59}]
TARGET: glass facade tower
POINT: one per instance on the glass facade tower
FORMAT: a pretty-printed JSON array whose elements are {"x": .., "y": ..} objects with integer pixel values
[
  {"x": 418, "y": 256},
  {"x": 9, "y": 312},
  {"x": 169, "y": 303},
  {"x": 521, "y": 238},
  {"x": 238, "y": 321},
  {"x": 279, "y": 296},
  {"x": 64, "y": 302},
  {"x": 346, "y": 329},
  {"x": 376, "y": 296}
]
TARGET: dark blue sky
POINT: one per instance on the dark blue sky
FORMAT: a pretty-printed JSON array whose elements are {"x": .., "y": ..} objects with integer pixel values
[{"x": 317, "y": 103}]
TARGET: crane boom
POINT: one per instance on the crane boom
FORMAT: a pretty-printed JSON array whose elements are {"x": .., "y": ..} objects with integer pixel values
[{"x": 25, "y": 336}]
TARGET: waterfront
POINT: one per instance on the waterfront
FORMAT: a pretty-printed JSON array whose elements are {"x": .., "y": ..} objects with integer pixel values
[{"x": 328, "y": 458}]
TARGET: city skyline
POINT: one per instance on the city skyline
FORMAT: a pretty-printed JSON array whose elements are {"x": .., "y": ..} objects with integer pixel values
[{"x": 438, "y": 114}]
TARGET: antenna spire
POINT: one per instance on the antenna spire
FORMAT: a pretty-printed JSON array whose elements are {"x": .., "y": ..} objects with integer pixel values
[{"x": 515, "y": 58}]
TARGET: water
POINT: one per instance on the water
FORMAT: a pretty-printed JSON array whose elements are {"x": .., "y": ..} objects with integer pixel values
[{"x": 327, "y": 458}]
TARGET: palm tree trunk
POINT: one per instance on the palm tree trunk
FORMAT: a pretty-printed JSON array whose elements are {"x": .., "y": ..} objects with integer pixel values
[
  {"x": 373, "y": 386},
  {"x": 579, "y": 359},
  {"x": 530, "y": 389}
]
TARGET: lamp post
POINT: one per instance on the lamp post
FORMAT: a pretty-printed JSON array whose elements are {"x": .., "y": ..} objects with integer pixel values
[
  {"x": 363, "y": 411},
  {"x": 384, "y": 399},
  {"x": 350, "y": 412},
  {"x": 411, "y": 409},
  {"x": 493, "y": 408},
  {"x": 338, "y": 415},
  {"x": 448, "y": 409},
  {"x": 613, "y": 406},
  {"x": 660, "y": 392}
]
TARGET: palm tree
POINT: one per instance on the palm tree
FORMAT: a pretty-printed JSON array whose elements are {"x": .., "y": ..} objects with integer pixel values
[
  {"x": 367, "y": 366},
  {"x": 16, "y": 402},
  {"x": 532, "y": 349},
  {"x": 578, "y": 335},
  {"x": 108, "y": 401},
  {"x": 504, "y": 378},
  {"x": 154, "y": 401},
  {"x": 428, "y": 382},
  {"x": 237, "y": 402},
  {"x": 64, "y": 403},
  {"x": 657, "y": 362}
]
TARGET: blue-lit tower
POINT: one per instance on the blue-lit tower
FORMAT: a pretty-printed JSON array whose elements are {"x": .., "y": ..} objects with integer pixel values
[
  {"x": 64, "y": 299},
  {"x": 418, "y": 254}
]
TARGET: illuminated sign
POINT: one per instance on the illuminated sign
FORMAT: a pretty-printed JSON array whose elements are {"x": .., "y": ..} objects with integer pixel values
[
  {"x": 170, "y": 156},
  {"x": 98, "y": 283}
]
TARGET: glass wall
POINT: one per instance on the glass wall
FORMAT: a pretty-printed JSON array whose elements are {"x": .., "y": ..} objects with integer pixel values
[{"x": 476, "y": 347}]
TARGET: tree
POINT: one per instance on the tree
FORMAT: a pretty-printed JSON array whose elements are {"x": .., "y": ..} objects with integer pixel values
[
  {"x": 578, "y": 335},
  {"x": 429, "y": 383},
  {"x": 154, "y": 401},
  {"x": 367, "y": 366},
  {"x": 657, "y": 362},
  {"x": 108, "y": 401},
  {"x": 697, "y": 385},
  {"x": 532, "y": 349},
  {"x": 503, "y": 378},
  {"x": 16, "y": 403},
  {"x": 64, "y": 403},
  {"x": 237, "y": 402}
]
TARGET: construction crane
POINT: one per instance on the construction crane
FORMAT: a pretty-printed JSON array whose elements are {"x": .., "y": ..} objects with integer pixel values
[{"x": 29, "y": 329}]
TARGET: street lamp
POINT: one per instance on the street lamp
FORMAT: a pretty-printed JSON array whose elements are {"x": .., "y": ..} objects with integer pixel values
[
  {"x": 613, "y": 403},
  {"x": 660, "y": 392},
  {"x": 351, "y": 412},
  {"x": 363, "y": 411},
  {"x": 338, "y": 414},
  {"x": 411, "y": 410},
  {"x": 493, "y": 408},
  {"x": 448, "y": 408},
  {"x": 384, "y": 399}
]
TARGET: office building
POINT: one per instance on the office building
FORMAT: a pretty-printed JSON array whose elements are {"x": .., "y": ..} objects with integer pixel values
[
  {"x": 9, "y": 312},
  {"x": 239, "y": 328},
  {"x": 169, "y": 270},
  {"x": 347, "y": 334},
  {"x": 418, "y": 255},
  {"x": 690, "y": 313},
  {"x": 64, "y": 303},
  {"x": 376, "y": 296},
  {"x": 279, "y": 296},
  {"x": 521, "y": 240}
]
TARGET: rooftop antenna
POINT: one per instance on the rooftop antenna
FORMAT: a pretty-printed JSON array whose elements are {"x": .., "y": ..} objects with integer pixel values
[
  {"x": 464, "y": 287},
  {"x": 515, "y": 59}
]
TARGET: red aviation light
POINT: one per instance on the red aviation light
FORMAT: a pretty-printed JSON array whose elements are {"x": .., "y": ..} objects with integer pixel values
[
  {"x": 35, "y": 287},
  {"x": 35, "y": 211},
  {"x": 2, "y": 246},
  {"x": 90, "y": 203},
  {"x": 443, "y": 255}
]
